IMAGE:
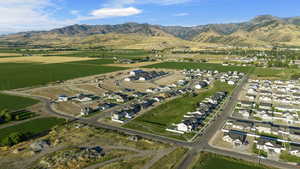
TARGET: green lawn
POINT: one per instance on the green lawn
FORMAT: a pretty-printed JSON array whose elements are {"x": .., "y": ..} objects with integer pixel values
[
  {"x": 213, "y": 161},
  {"x": 207, "y": 66},
  {"x": 285, "y": 156},
  {"x": 33, "y": 127},
  {"x": 158, "y": 119},
  {"x": 12, "y": 103},
  {"x": 19, "y": 75},
  {"x": 283, "y": 74}
]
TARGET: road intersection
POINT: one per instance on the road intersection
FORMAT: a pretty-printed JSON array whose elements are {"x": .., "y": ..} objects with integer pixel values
[{"x": 200, "y": 144}]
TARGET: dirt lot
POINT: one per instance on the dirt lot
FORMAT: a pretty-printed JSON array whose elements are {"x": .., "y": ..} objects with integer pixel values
[
  {"x": 68, "y": 107},
  {"x": 174, "y": 77},
  {"x": 91, "y": 89},
  {"x": 52, "y": 92},
  {"x": 41, "y": 59}
]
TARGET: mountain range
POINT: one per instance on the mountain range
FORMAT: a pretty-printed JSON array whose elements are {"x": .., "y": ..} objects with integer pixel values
[{"x": 262, "y": 31}]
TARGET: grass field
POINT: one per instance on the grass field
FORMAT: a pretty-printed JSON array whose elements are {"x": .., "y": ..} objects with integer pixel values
[
  {"x": 19, "y": 75},
  {"x": 269, "y": 73},
  {"x": 158, "y": 119},
  {"x": 212, "y": 161},
  {"x": 171, "y": 160},
  {"x": 285, "y": 156},
  {"x": 126, "y": 53},
  {"x": 95, "y": 62},
  {"x": 207, "y": 66},
  {"x": 43, "y": 59},
  {"x": 33, "y": 127},
  {"x": 12, "y": 103}
]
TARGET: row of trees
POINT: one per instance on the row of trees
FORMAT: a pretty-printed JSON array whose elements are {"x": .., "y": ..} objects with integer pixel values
[{"x": 14, "y": 138}]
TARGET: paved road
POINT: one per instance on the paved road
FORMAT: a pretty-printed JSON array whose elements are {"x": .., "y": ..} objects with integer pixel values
[{"x": 200, "y": 144}]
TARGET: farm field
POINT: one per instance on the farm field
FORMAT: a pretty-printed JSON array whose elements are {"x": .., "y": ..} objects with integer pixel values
[
  {"x": 110, "y": 53},
  {"x": 158, "y": 119},
  {"x": 213, "y": 161},
  {"x": 94, "y": 62},
  {"x": 33, "y": 127},
  {"x": 207, "y": 66},
  {"x": 12, "y": 103},
  {"x": 282, "y": 74},
  {"x": 42, "y": 59},
  {"x": 19, "y": 75}
]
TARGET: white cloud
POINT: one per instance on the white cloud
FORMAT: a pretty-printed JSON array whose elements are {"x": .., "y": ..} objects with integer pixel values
[
  {"x": 119, "y": 3},
  {"x": 181, "y": 14},
  {"x": 115, "y": 12},
  {"x": 25, "y": 15}
]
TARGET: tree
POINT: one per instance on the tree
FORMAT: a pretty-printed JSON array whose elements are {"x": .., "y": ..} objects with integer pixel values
[
  {"x": 13, "y": 138},
  {"x": 5, "y": 115}
]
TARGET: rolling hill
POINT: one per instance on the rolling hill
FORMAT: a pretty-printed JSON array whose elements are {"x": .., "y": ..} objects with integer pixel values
[{"x": 265, "y": 30}]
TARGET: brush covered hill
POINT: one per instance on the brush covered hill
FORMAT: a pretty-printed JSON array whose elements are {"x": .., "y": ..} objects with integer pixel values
[{"x": 261, "y": 31}]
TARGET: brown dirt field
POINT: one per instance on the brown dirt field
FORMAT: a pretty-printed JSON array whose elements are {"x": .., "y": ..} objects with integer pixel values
[
  {"x": 110, "y": 85},
  {"x": 41, "y": 59},
  {"x": 134, "y": 65},
  {"x": 69, "y": 108},
  {"x": 52, "y": 92},
  {"x": 170, "y": 79},
  {"x": 92, "y": 89}
]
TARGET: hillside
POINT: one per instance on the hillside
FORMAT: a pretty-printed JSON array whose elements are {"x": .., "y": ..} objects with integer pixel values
[{"x": 263, "y": 30}]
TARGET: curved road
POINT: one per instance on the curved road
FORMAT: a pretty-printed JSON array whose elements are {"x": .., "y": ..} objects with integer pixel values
[{"x": 200, "y": 144}]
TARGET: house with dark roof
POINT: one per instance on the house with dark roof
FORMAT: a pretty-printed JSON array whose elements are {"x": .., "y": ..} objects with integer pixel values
[{"x": 235, "y": 138}]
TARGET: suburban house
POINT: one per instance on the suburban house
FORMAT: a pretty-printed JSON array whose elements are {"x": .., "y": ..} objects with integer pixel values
[
  {"x": 268, "y": 145},
  {"x": 195, "y": 119},
  {"x": 63, "y": 98},
  {"x": 201, "y": 85},
  {"x": 235, "y": 138},
  {"x": 294, "y": 150},
  {"x": 144, "y": 75}
]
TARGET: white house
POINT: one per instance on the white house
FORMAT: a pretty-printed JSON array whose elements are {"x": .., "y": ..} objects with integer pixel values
[
  {"x": 295, "y": 150},
  {"x": 269, "y": 146},
  {"x": 63, "y": 98},
  {"x": 184, "y": 128},
  {"x": 231, "y": 82}
]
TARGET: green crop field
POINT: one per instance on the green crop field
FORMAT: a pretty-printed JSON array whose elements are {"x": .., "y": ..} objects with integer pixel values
[
  {"x": 212, "y": 161},
  {"x": 19, "y": 75},
  {"x": 207, "y": 66},
  {"x": 94, "y": 62},
  {"x": 33, "y": 127},
  {"x": 12, "y": 103},
  {"x": 158, "y": 119},
  {"x": 271, "y": 73},
  {"x": 110, "y": 53}
]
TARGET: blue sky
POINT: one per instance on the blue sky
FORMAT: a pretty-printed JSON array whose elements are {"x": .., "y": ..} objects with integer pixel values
[{"x": 25, "y": 15}]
